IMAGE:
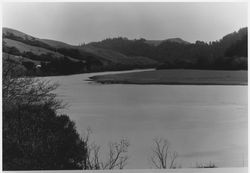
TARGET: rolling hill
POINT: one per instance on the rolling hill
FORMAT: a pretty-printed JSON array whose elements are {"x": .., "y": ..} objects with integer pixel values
[{"x": 47, "y": 52}]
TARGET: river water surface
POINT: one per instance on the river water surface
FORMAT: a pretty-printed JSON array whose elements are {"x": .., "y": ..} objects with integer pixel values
[{"x": 202, "y": 122}]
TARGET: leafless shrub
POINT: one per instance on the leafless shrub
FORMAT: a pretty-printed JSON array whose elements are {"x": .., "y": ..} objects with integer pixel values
[
  {"x": 18, "y": 89},
  {"x": 162, "y": 157},
  {"x": 206, "y": 165},
  {"x": 116, "y": 158}
]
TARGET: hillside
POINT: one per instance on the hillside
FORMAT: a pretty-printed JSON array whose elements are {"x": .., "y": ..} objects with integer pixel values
[
  {"x": 120, "y": 58},
  {"x": 58, "y": 58},
  {"x": 177, "y": 53},
  {"x": 55, "y": 55}
]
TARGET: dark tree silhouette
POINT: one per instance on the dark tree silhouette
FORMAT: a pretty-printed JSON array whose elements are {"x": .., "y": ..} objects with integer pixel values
[{"x": 34, "y": 136}]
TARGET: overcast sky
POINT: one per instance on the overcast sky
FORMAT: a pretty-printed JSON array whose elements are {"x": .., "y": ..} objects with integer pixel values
[{"x": 75, "y": 23}]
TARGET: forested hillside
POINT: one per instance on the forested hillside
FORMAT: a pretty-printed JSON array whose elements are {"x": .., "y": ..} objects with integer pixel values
[{"x": 229, "y": 52}]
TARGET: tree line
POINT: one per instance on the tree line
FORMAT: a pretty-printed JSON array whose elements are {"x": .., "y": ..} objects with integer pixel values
[{"x": 230, "y": 52}]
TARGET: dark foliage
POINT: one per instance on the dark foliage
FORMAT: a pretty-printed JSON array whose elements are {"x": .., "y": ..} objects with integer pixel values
[
  {"x": 239, "y": 48},
  {"x": 199, "y": 55},
  {"x": 74, "y": 53},
  {"x": 11, "y": 50},
  {"x": 62, "y": 66},
  {"x": 41, "y": 57},
  {"x": 30, "y": 68},
  {"x": 34, "y": 136},
  {"x": 29, "y": 65},
  {"x": 127, "y": 47}
]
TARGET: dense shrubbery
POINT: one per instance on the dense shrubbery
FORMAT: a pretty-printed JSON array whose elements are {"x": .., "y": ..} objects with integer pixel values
[
  {"x": 11, "y": 50},
  {"x": 34, "y": 136},
  {"x": 62, "y": 66}
]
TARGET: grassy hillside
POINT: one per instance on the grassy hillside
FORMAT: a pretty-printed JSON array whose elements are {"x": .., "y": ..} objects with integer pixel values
[
  {"x": 22, "y": 47},
  {"x": 54, "y": 55},
  {"x": 118, "y": 58},
  {"x": 56, "y": 44}
]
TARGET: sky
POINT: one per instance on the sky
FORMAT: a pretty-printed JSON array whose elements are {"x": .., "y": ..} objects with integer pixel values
[{"x": 83, "y": 22}]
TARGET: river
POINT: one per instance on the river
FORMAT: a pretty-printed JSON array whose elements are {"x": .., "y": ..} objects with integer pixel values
[{"x": 202, "y": 122}]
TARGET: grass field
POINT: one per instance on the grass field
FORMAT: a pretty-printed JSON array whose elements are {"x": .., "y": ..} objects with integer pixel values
[{"x": 175, "y": 77}]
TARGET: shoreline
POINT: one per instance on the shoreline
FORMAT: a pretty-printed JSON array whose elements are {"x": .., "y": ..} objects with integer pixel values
[
  {"x": 174, "y": 83},
  {"x": 175, "y": 77}
]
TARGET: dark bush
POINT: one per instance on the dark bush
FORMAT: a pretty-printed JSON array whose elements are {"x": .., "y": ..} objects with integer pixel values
[{"x": 34, "y": 136}]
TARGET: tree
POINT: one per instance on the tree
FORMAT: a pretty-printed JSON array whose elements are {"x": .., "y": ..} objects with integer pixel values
[
  {"x": 116, "y": 159},
  {"x": 20, "y": 90},
  {"x": 34, "y": 136},
  {"x": 162, "y": 157}
]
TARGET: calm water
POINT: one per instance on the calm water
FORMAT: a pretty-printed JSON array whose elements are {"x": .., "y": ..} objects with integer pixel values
[{"x": 202, "y": 123}]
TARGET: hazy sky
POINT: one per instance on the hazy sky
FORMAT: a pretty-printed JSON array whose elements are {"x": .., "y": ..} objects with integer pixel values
[{"x": 85, "y": 22}]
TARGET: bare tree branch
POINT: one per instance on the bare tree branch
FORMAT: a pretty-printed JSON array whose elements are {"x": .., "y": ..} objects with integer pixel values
[
  {"x": 116, "y": 159},
  {"x": 18, "y": 89},
  {"x": 162, "y": 158}
]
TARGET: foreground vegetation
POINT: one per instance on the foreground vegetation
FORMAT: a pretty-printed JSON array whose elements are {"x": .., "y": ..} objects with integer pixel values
[{"x": 36, "y": 137}]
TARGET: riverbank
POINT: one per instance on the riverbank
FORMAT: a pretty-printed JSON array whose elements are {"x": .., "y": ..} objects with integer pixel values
[
  {"x": 175, "y": 77},
  {"x": 214, "y": 170}
]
